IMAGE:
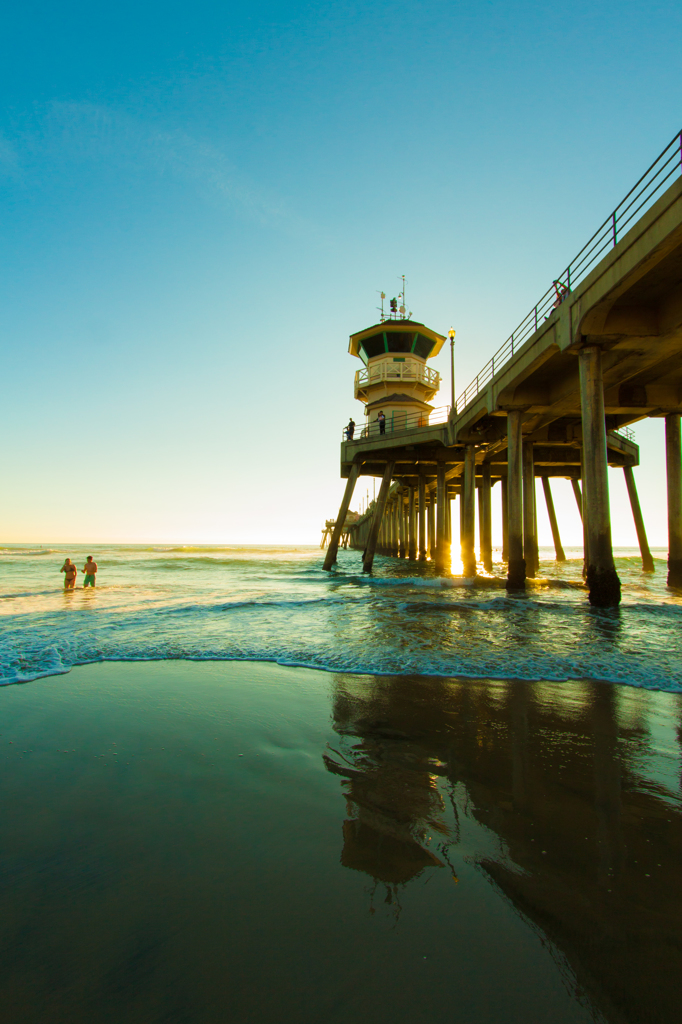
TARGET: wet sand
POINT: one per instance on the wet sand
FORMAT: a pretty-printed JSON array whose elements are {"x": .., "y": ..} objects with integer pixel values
[{"x": 201, "y": 842}]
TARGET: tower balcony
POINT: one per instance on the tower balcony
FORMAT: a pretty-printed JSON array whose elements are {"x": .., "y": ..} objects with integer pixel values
[{"x": 425, "y": 379}]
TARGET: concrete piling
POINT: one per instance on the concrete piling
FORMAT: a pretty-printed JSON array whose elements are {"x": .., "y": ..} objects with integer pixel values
[
  {"x": 530, "y": 537},
  {"x": 647, "y": 560},
  {"x": 516, "y": 572},
  {"x": 379, "y": 508},
  {"x": 505, "y": 518},
  {"x": 412, "y": 528},
  {"x": 602, "y": 578},
  {"x": 485, "y": 530},
  {"x": 575, "y": 483},
  {"x": 421, "y": 500},
  {"x": 442, "y": 546},
  {"x": 333, "y": 548},
  {"x": 549, "y": 502},
  {"x": 673, "y": 465},
  {"x": 468, "y": 518}
]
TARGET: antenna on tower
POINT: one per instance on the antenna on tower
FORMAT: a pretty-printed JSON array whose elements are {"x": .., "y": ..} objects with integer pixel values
[
  {"x": 403, "y": 304},
  {"x": 381, "y": 307}
]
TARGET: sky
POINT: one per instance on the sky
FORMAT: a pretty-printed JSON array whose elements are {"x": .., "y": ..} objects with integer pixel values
[{"x": 200, "y": 202}]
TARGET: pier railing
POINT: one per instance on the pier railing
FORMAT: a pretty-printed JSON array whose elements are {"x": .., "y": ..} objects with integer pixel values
[
  {"x": 640, "y": 197},
  {"x": 397, "y": 422},
  {"x": 626, "y": 432}
]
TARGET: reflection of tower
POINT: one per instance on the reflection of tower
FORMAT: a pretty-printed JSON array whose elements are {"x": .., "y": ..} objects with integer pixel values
[
  {"x": 395, "y": 379},
  {"x": 392, "y": 798}
]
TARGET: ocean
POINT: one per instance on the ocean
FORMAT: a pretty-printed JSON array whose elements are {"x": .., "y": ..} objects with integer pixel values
[{"x": 275, "y": 604}]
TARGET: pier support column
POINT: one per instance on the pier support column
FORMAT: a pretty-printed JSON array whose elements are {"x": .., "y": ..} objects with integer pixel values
[
  {"x": 579, "y": 502},
  {"x": 468, "y": 520},
  {"x": 396, "y": 525},
  {"x": 530, "y": 537},
  {"x": 485, "y": 526},
  {"x": 412, "y": 528},
  {"x": 333, "y": 548},
  {"x": 558, "y": 549},
  {"x": 442, "y": 546},
  {"x": 379, "y": 508},
  {"x": 399, "y": 523},
  {"x": 575, "y": 484},
  {"x": 397, "y": 515},
  {"x": 516, "y": 572},
  {"x": 647, "y": 560},
  {"x": 432, "y": 526},
  {"x": 673, "y": 466},
  {"x": 504, "y": 488},
  {"x": 402, "y": 540},
  {"x": 422, "y": 519},
  {"x": 602, "y": 578},
  {"x": 390, "y": 525}
]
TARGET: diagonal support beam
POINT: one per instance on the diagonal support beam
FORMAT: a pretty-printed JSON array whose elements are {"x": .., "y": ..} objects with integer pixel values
[
  {"x": 368, "y": 557},
  {"x": 333, "y": 548},
  {"x": 647, "y": 560}
]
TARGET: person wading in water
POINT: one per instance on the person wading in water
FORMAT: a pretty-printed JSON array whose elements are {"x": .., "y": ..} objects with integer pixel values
[
  {"x": 70, "y": 572},
  {"x": 90, "y": 570}
]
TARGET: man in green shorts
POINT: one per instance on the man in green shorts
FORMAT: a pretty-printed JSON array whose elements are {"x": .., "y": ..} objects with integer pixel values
[{"x": 90, "y": 571}]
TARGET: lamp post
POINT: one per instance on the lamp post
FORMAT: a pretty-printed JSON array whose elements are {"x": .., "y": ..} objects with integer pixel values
[{"x": 451, "y": 336}]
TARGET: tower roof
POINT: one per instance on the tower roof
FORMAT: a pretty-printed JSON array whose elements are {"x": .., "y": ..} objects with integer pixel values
[{"x": 396, "y": 336}]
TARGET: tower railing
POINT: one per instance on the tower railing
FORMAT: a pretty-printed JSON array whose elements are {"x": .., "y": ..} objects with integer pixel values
[
  {"x": 408, "y": 371},
  {"x": 638, "y": 200}
]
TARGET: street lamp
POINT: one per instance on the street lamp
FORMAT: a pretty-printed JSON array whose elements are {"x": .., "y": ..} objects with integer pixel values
[{"x": 451, "y": 336}]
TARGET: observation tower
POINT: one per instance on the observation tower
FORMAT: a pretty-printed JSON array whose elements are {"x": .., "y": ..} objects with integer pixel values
[{"x": 395, "y": 379}]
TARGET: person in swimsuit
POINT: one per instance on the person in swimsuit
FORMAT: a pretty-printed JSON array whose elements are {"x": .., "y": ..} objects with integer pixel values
[
  {"x": 90, "y": 570},
  {"x": 70, "y": 572}
]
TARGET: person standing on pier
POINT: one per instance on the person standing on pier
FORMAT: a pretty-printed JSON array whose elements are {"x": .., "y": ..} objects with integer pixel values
[
  {"x": 350, "y": 429},
  {"x": 381, "y": 420}
]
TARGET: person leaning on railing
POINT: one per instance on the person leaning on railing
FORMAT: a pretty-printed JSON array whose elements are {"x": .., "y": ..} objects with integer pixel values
[
  {"x": 381, "y": 420},
  {"x": 350, "y": 429},
  {"x": 561, "y": 290}
]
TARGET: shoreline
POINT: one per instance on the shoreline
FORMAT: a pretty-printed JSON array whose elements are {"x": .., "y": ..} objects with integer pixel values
[{"x": 436, "y": 676}]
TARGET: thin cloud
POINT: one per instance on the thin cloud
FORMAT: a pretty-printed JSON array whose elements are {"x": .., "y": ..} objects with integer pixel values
[{"x": 87, "y": 133}]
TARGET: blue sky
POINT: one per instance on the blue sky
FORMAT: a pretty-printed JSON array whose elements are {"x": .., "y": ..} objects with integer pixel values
[{"x": 201, "y": 201}]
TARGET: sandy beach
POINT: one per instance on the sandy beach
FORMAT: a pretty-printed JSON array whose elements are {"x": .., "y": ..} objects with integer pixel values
[{"x": 202, "y": 842}]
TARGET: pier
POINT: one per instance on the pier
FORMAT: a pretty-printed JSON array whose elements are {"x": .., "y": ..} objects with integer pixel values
[{"x": 601, "y": 350}]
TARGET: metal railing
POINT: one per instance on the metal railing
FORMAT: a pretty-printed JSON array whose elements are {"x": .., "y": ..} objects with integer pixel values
[
  {"x": 398, "y": 422},
  {"x": 397, "y": 371},
  {"x": 626, "y": 432},
  {"x": 640, "y": 197}
]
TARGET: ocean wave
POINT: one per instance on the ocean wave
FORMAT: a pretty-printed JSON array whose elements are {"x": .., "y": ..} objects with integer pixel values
[
  {"x": 529, "y": 670},
  {"x": 28, "y": 552},
  {"x": 229, "y": 606}
]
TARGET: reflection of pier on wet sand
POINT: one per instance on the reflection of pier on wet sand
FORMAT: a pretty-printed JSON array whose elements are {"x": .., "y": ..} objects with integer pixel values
[{"x": 589, "y": 835}]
